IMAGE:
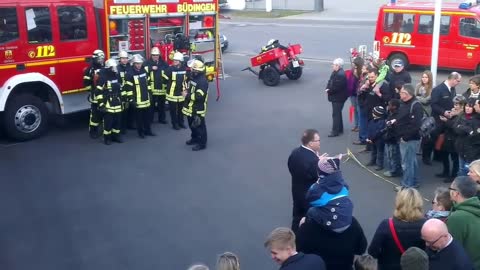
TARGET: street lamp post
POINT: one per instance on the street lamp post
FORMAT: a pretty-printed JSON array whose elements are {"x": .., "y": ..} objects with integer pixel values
[{"x": 436, "y": 38}]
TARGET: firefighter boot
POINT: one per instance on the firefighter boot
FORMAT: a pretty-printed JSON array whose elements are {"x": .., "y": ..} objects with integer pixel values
[
  {"x": 93, "y": 131},
  {"x": 107, "y": 140}
]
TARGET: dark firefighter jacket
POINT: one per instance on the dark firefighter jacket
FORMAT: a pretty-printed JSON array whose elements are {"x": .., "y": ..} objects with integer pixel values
[
  {"x": 176, "y": 77},
  {"x": 138, "y": 83},
  {"x": 196, "y": 99},
  {"x": 109, "y": 91},
  {"x": 157, "y": 80},
  {"x": 90, "y": 78}
]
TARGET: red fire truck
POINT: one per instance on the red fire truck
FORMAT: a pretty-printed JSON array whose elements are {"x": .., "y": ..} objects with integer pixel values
[
  {"x": 45, "y": 46},
  {"x": 405, "y": 30}
]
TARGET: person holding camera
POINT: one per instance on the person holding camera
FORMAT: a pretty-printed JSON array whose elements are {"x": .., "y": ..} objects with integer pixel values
[{"x": 194, "y": 108}]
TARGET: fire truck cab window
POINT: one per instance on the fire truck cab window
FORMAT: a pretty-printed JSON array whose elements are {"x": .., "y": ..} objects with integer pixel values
[
  {"x": 398, "y": 22},
  {"x": 8, "y": 25},
  {"x": 39, "y": 24},
  {"x": 425, "y": 25},
  {"x": 72, "y": 23},
  {"x": 469, "y": 27}
]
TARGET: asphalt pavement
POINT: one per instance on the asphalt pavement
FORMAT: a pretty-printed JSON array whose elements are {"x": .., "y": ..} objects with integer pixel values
[{"x": 69, "y": 202}]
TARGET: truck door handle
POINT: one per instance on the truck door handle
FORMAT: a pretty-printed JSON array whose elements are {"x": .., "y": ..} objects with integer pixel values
[
  {"x": 20, "y": 66},
  {"x": 458, "y": 42}
]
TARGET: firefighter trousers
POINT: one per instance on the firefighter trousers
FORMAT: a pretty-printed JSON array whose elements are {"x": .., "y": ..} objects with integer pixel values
[
  {"x": 112, "y": 124},
  {"x": 176, "y": 114},
  {"x": 199, "y": 134},
  {"x": 95, "y": 117},
  {"x": 158, "y": 105},
  {"x": 143, "y": 121},
  {"x": 128, "y": 117}
]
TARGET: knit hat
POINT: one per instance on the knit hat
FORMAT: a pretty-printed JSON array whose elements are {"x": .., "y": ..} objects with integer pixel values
[
  {"x": 378, "y": 111},
  {"x": 328, "y": 166},
  {"x": 414, "y": 259}
]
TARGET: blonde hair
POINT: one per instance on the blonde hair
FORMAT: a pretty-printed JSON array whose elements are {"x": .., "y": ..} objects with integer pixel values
[
  {"x": 475, "y": 166},
  {"x": 228, "y": 261},
  {"x": 428, "y": 87},
  {"x": 408, "y": 205},
  {"x": 281, "y": 238}
]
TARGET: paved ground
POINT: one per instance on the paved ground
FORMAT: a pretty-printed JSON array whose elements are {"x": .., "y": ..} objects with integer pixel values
[{"x": 69, "y": 202}]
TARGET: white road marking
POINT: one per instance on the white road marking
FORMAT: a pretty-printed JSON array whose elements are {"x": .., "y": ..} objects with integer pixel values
[{"x": 331, "y": 26}]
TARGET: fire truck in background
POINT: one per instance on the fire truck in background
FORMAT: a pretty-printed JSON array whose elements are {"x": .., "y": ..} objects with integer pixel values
[
  {"x": 45, "y": 46},
  {"x": 404, "y": 31}
]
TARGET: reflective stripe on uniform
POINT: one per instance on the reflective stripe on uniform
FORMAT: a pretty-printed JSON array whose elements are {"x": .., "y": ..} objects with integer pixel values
[{"x": 138, "y": 91}]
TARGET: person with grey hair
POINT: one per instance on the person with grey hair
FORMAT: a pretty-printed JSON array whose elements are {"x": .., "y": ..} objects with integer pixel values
[
  {"x": 407, "y": 127},
  {"x": 464, "y": 221},
  {"x": 337, "y": 95},
  {"x": 441, "y": 103},
  {"x": 198, "y": 267}
]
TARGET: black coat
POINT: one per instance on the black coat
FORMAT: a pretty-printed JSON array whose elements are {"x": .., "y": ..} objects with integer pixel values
[
  {"x": 303, "y": 167},
  {"x": 408, "y": 125},
  {"x": 468, "y": 138},
  {"x": 367, "y": 99},
  {"x": 336, "y": 249},
  {"x": 394, "y": 78},
  {"x": 452, "y": 257},
  {"x": 302, "y": 261},
  {"x": 442, "y": 100},
  {"x": 337, "y": 86},
  {"x": 383, "y": 246}
]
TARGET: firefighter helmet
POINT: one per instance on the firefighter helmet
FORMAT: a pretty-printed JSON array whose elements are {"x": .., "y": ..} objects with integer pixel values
[
  {"x": 178, "y": 56},
  {"x": 137, "y": 58},
  {"x": 98, "y": 54},
  {"x": 111, "y": 64},
  {"x": 155, "y": 51},
  {"x": 196, "y": 65},
  {"x": 123, "y": 54},
  {"x": 272, "y": 41}
]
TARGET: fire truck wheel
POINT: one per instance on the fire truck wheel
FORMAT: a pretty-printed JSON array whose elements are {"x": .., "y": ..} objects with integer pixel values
[
  {"x": 294, "y": 74},
  {"x": 25, "y": 118},
  {"x": 398, "y": 56},
  {"x": 270, "y": 76}
]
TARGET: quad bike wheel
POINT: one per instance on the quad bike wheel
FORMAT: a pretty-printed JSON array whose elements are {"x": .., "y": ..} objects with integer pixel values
[
  {"x": 270, "y": 76},
  {"x": 294, "y": 73}
]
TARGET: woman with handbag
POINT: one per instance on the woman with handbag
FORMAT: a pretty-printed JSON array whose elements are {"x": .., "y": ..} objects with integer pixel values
[{"x": 396, "y": 234}]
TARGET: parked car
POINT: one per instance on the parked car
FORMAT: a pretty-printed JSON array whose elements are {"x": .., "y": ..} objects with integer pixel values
[{"x": 223, "y": 42}]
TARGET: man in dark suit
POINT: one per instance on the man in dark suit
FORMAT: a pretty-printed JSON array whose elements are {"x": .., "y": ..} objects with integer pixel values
[
  {"x": 303, "y": 166},
  {"x": 441, "y": 103}
]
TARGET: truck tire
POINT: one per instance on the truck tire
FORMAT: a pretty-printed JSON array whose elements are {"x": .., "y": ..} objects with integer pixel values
[
  {"x": 398, "y": 56},
  {"x": 294, "y": 73},
  {"x": 270, "y": 76},
  {"x": 25, "y": 118}
]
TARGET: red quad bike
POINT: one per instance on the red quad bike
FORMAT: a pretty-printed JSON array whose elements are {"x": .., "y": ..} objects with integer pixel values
[{"x": 276, "y": 62}]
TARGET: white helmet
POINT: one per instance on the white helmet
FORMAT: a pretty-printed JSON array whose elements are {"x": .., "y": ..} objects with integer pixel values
[
  {"x": 178, "y": 56},
  {"x": 98, "y": 54},
  {"x": 137, "y": 58},
  {"x": 123, "y": 54},
  {"x": 196, "y": 65},
  {"x": 271, "y": 41},
  {"x": 112, "y": 64},
  {"x": 155, "y": 51}
]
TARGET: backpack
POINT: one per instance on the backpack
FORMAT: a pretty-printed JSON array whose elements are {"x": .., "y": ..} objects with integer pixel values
[{"x": 428, "y": 122}]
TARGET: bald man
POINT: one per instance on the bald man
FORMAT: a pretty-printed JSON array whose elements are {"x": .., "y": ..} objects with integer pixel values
[{"x": 443, "y": 251}]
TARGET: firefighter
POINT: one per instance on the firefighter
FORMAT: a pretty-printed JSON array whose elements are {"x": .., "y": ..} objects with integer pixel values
[
  {"x": 156, "y": 67},
  {"x": 138, "y": 86},
  {"x": 110, "y": 95},
  {"x": 128, "y": 113},
  {"x": 90, "y": 78},
  {"x": 195, "y": 106},
  {"x": 176, "y": 76}
]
